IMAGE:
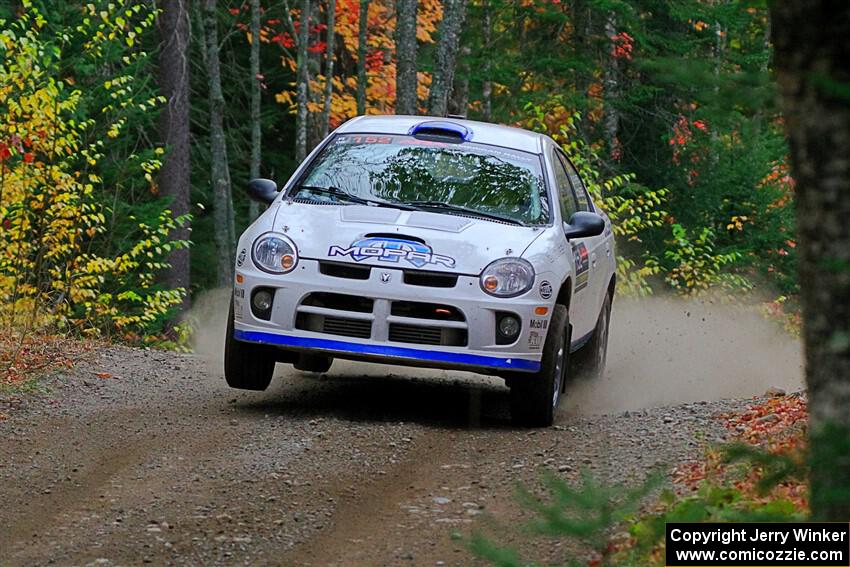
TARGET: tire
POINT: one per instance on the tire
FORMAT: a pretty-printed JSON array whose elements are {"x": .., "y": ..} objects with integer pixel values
[
  {"x": 535, "y": 397},
  {"x": 247, "y": 366},
  {"x": 313, "y": 363},
  {"x": 589, "y": 361}
]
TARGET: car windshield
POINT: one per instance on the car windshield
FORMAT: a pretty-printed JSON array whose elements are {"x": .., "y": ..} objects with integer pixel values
[{"x": 454, "y": 178}]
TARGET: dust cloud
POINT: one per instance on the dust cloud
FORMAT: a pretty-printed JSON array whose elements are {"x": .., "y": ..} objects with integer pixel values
[
  {"x": 208, "y": 318},
  {"x": 667, "y": 351},
  {"x": 661, "y": 352}
]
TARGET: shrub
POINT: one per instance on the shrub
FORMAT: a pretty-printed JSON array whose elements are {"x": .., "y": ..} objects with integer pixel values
[{"x": 60, "y": 267}]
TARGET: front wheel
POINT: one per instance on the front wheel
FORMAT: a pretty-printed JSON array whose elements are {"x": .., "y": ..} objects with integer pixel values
[
  {"x": 535, "y": 397},
  {"x": 247, "y": 366}
]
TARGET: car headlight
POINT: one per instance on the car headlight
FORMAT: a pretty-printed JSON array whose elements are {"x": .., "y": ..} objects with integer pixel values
[
  {"x": 507, "y": 277},
  {"x": 275, "y": 253}
]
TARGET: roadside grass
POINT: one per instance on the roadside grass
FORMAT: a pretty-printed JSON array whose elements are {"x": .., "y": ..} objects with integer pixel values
[{"x": 26, "y": 358}]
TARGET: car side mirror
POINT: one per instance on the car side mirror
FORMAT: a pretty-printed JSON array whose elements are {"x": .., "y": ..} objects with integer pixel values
[
  {"x": 583, "y": 224},
  {"x": 262, "y": 190}
]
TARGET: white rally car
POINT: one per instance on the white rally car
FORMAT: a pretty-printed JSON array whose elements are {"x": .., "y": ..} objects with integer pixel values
[{"x": 427, "y": 242}]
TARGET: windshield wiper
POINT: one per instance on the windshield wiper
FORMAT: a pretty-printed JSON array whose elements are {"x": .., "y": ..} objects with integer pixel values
[
  {"x": 464, "y": 210},
  {"x": 345, "y": 196}
]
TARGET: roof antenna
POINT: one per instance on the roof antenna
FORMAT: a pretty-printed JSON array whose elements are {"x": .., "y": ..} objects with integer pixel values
[{"x": 456, "y": 116}]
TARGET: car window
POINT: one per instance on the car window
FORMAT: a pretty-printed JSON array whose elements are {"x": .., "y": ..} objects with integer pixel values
[
  {"x": 565, "y": 191},
  {"x": 584, "y": 202},
  {"x": 404, "y": 169}
]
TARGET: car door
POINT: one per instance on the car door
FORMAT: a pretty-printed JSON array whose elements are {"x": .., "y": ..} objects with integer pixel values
[
  {"x": 581, "y": 316},
  {"x": 593, "y": 254}
]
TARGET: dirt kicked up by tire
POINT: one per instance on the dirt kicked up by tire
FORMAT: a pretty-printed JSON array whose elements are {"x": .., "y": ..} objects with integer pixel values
[{"x": 589, "y": 362}]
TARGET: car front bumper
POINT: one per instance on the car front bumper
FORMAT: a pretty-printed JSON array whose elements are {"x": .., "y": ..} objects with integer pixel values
[{"x": 377, "y": 341}]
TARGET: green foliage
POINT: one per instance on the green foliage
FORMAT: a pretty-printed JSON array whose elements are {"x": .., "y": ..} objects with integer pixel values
[
  {"x": 65, "y": 265},
  {"x": 698, "y": 109},
  {"x": 735, "y": 184},
  {"x": 675, "y": 95},
  {"x": 693, "y": 266},
  {"x": 589, "y": 516},
  {"x": 723, "y": 500},
  {"x": 642, "y": 95},
  {"x": 584, "y": 515},
  {"x": 830, "y": 465},
  {"x": 776, "y": 467},
  {"x": 635, "y": 210}
]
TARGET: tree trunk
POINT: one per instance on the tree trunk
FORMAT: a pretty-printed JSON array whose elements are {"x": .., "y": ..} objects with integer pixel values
[
  {"x": 611, "y": 114},
  {"x": 459, "y": 100},
  {"x": 582, "y": 46},
  {"x": 256, "y": 84},
  {"x": 225, "y": 238},
  {"x": 329, "y": 68},
  {"x": 406, "y": 81},
  {"x": 302, "y": 83},
  {"x": 487, "y": 85},
  {"x": 454, "y": 13},
  {"x": 174, "y": 178},
  {"x": 362, "y": 49},
  {"x": 812, "y": 62}
]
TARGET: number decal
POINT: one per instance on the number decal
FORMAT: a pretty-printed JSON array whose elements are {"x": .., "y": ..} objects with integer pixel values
[{"x": 582, "y": 262}]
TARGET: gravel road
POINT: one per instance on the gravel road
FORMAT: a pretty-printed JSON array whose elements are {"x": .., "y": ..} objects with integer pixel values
[{"x": 147, "y": 457}]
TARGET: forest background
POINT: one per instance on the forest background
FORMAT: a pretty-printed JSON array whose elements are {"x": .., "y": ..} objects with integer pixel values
[
  {"x": 128, "y": 129},
  {"x": 127, "y": 124}
]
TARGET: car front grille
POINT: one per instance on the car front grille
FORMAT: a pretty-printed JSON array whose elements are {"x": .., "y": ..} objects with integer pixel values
[
  {"x": 330, "y": 325},
  {"x": 412, "y": 322},
  {"x": 347, "y": 327},
  {"x": 431, "y": 311},
  {"x": 429, "y": 279},
  {"x": 403, "y": 333},
  {"x": 419, "y": 278},
  {"x": 339, "y": 302},
  {"x": 348, "y": 271}
]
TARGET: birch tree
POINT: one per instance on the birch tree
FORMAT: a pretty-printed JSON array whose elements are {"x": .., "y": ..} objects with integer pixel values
[
  {"x": 812, "y": 60},
  {"x": 611, "y": 115},
  {"x": 174, "y": 177},
  {"x": 302, "y": 82},
  {"x": 225, "y": 237},
  {"x": 406, "y": 80},
  {"x": 454, "y": 13}
]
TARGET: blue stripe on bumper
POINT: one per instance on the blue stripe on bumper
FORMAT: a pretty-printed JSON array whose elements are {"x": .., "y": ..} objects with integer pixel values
[{"x": 380, "y": 350}]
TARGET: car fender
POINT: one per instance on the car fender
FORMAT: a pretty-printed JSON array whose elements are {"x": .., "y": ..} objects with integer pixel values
[{"x": 551, "y": 256}]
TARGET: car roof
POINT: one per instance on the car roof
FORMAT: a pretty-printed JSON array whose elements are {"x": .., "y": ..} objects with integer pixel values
[{"x": 482, "y": 132}]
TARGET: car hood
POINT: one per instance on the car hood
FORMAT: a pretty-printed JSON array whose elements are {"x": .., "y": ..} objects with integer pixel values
[{"x": 394, "y": 238}]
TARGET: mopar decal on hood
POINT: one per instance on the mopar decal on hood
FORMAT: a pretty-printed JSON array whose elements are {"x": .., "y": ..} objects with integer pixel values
[
  {"x": 391, "y": 250},
  {"x": 392, "y": 238}
]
